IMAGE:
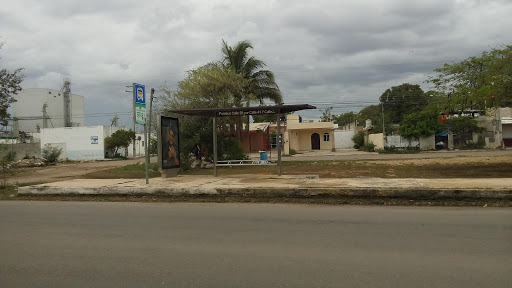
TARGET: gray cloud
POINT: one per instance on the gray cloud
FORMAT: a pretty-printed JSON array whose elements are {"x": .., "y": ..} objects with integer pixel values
[{"x": 342, "y": 54}]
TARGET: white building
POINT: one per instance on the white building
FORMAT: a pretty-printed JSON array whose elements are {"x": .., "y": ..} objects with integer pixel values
[
  {"x": 86, "y": 143},
  {"x": 29, "y": 109},
  {"x": 78, "y": 143}
]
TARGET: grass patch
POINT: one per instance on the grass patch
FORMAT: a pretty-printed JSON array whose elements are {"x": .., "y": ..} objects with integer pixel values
[
  {"x": 394, "y": 150},
  {"x": 136, "y": 171},
  {"x": 8, "y": 192},
  {"x": 381, "y": 169}
]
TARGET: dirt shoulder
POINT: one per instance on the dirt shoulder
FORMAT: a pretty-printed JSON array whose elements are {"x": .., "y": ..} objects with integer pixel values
[{"x": 66, "y": 171}]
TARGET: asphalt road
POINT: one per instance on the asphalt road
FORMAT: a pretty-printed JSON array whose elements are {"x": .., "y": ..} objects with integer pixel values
[{"x": 78, "y": 244}]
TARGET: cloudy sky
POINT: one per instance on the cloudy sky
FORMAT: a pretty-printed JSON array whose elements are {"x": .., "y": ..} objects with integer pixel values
[{"x": 325, "y": 53}]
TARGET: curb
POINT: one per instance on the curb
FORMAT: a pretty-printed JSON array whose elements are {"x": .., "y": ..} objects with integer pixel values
[{"x": 269, "y": 192}]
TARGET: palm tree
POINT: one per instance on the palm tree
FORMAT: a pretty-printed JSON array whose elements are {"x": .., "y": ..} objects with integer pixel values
[{"x": 262, "y": 85}]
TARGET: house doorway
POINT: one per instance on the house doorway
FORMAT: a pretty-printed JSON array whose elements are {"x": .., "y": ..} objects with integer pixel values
[{"x": 315, "y": 141}]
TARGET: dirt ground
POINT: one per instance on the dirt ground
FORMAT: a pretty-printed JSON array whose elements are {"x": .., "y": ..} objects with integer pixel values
[
  {"x": 66, "y": 171},
  {"x": 341, "y": 164}
]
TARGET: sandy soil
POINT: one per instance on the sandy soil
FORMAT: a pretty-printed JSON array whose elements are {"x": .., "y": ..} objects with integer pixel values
[{"x": 62, "y": 172}]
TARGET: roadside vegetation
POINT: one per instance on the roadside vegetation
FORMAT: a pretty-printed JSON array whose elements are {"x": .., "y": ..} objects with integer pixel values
[{"x": 461, "y": 167}]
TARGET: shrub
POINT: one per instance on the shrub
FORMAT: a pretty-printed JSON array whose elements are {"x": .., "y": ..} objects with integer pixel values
[
  {"x": 234, "y": 150},
  {"x": 358, "y": 140},
  {"x": 369, "y": 147},
  {"x": 9, "y": 156},
  {"x": 478, "y": 145},
  {"x": 292, "y": 152},
  {"x": 50, "y": 153}
]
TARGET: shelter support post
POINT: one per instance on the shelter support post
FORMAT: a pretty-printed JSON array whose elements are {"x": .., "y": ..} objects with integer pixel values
[
  {"x": 214, "y": 147},
  {"x": 279, "y": 143}
]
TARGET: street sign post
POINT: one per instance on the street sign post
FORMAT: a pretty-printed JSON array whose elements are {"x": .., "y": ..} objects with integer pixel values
[
  {"x": 139, "y": 98},
  {"x": 139, "y": 95}
]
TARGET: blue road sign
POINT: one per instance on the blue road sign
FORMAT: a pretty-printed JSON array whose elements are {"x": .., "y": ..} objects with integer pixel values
[{"x": 140, "y": 93}]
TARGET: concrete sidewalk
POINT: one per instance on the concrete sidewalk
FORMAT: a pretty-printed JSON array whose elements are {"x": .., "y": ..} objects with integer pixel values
[{"x": 284, "y": 186}]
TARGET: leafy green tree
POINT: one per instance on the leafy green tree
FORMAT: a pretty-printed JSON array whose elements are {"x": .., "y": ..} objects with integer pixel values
[
  {"x": 326, "y": 115},
  {"x": 477, "y": 82},
  {"x": 264, "y": 118},
  {"x": 344, "y": 118},
  {"x": 463, "y": 124},
  {"x": 210, "y": 86},
  {"x": 9, "y": 85},
  {"x": 401, "y": 100},
  {"x": 374, "y": 113},
  {"x": 118, "y": 139},
  {"x": 425, "y": 123}
]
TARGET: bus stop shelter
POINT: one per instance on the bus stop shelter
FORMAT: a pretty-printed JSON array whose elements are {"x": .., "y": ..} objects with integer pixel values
[{"x": 245, "y": 111}]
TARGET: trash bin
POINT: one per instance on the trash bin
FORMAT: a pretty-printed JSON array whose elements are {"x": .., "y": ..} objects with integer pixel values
[{"x": 263, "y": 156}]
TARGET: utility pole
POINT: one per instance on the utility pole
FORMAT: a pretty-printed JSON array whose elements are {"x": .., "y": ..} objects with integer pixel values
[
  {"x": 383, "y": 131},
  {"x": 149, "y": 124},
  {"x": 45, "y": 117},
  {"x": 148, "y": 138},
  {"x": 66, "y": 88},
  {"x": 133, "y": 103}
]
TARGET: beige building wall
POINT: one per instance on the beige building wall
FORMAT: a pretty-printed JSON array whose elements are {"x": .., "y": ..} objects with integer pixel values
[
  {"x": 428, "y": 143},
  {"x": 377, "y": 140},
  {"x": 300, "y": 140},
  {"x": 298, "y": 135}
]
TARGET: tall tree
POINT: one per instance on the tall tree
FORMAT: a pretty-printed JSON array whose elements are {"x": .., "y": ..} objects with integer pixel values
[
  {"x": 425, "y": 123},
  {"x": 9, "y": 85},
  {"x": 477, "y": 82},
  {"x": 401, "y": 100},
  {"x": 374, "y": 113},
  {"x": 209, "y": 86},
  {"x": 261, "y": 85},
  {"x": 344, "y": 118},
  {"x": 327, "y": 115}
]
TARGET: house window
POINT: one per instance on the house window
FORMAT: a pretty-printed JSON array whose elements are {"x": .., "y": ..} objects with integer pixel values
[{"x": 326, "y": 137}]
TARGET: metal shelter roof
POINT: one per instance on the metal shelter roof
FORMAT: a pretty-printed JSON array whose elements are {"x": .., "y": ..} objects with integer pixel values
[{"x": 243, "y": 111}]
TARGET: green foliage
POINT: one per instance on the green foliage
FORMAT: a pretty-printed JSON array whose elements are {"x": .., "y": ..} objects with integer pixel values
[
  {"x": 463, "y": 124},
  {"x": 118, "y": 139},
  {"x": 233, "y": 150},
  {"x": 264, "y": 118},
  {"x": 261, "y": 84},
  {"x": 368, "y": 147},
  {"x": 344, "y": 119},
  {"x": 153, "y": 146},
  {"x": 50, "y": 153},
  {"x": 9, "y": 85},
  {"x": 5, "y": 166},
  {"x": 358, "y": 140},
  {"x": 471, "y": 146},
  {"x": 424, "y": 123},
  {"x": 209, "y": 86},
  {"x": 9, "y": 156},
  {"x": 477, "y": 82},
  {"x": 401, "y": 100},
  {"x": 326, "y": 115},
  {"x": 374, "y": 113},
  {"x": 394, "y": 150},
  {"x": 292, "y": 152}
]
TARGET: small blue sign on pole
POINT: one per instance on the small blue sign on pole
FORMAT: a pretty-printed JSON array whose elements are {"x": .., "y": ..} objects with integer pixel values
[{"x": 139, "y": 95}]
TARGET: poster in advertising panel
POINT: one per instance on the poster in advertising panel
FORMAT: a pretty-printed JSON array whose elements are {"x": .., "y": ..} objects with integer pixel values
[{"x": 170, "y": 142}]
